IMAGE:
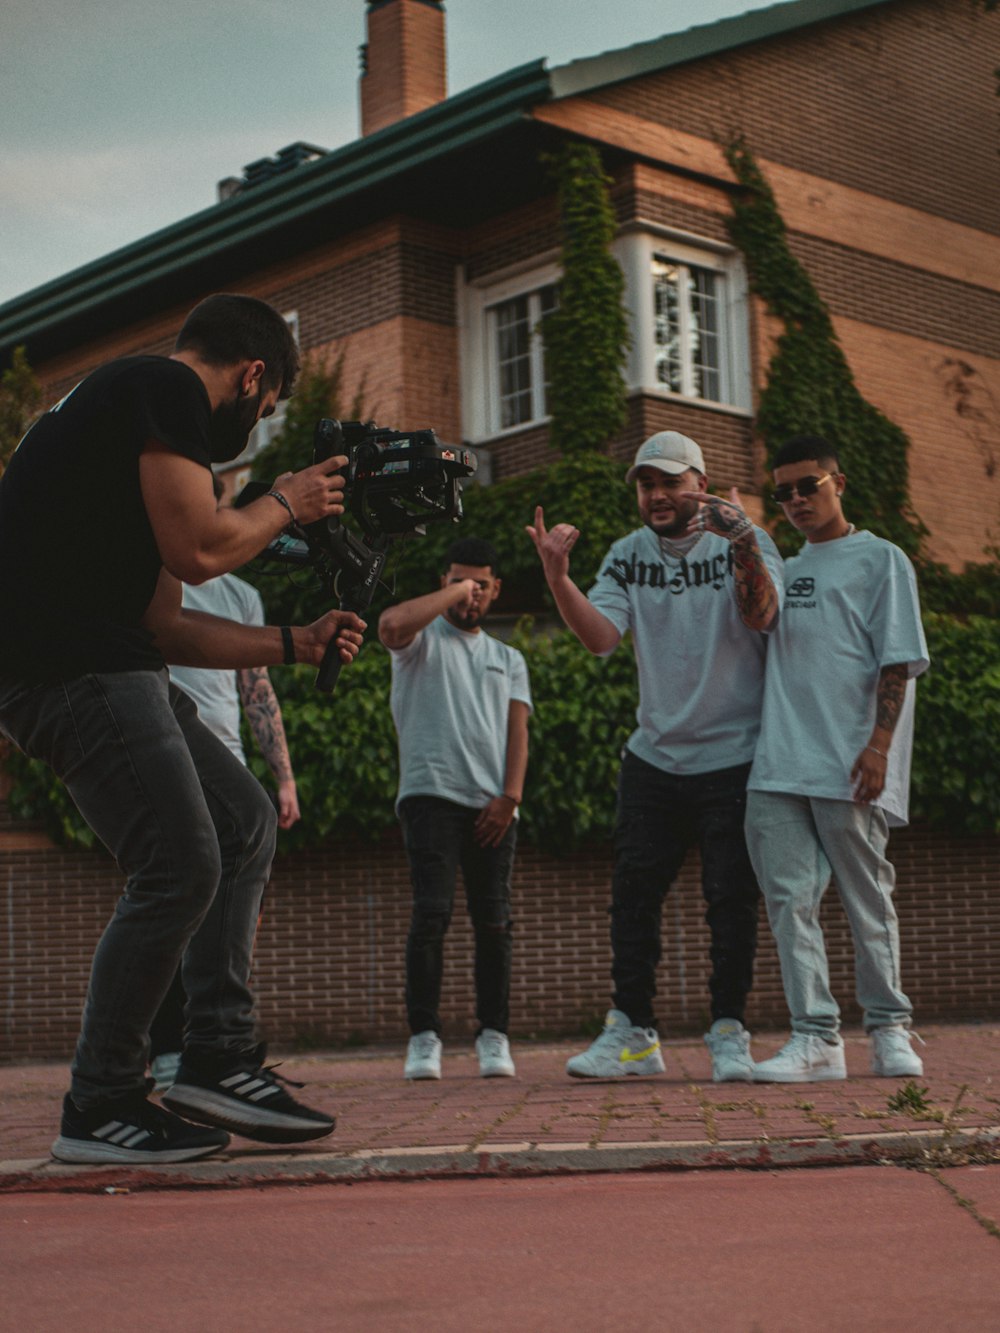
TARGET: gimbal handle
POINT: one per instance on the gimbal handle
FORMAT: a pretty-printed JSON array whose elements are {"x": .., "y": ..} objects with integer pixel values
[
  {"x": 329, "y": 668},
  {"x": 357, "y": 598}
]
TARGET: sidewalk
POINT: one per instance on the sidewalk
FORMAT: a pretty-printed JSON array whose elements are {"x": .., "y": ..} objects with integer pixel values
[{"x": 543, "y": 1122}]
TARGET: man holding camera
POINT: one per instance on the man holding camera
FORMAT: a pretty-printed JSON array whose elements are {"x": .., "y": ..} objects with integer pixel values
[
  {"x": 696, "y": 585},
  {"x": 106, "y": 506},
  {"x": 460, "y": 701}
]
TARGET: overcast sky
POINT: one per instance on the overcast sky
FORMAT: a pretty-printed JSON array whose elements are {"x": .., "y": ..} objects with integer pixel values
[{"x": 118, "y": 117}]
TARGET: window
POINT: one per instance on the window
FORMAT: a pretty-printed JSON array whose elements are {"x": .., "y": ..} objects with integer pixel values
[
  {"x": 688, "y": 345},
  {"x": 502, "y": 353},
  {"x": 518, "y": 357},
  {"x": 690, "y": 323}
]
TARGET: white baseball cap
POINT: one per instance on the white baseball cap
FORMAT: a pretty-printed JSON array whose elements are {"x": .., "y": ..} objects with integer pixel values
[{"x": 670, "y": 451}]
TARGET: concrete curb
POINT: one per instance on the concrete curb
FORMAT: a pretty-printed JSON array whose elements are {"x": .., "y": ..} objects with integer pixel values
[{"x": 43, "y": 1175}]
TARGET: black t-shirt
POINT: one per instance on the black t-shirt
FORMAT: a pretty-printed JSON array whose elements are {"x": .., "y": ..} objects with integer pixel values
[{"x": 78, "y": 559}]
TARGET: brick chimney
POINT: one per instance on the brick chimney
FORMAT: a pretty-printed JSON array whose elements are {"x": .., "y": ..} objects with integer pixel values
[{"x": 403, "y": 61}]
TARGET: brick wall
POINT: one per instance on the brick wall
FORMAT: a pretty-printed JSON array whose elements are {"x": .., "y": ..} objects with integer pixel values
[
  {"x": 330, "y": 951},
  {"x": 896, "y": 101}
]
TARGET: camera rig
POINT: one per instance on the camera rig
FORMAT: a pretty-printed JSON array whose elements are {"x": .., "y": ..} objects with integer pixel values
[{"x": 395, "y": 482}]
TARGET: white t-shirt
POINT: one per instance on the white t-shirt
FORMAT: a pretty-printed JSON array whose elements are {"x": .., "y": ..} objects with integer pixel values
[
  {"x": 851, "y": 608},
  {"x": 451, "y": 692},
  {"x": 701, "y": 671},
  {"x": 212, "y": 690}
]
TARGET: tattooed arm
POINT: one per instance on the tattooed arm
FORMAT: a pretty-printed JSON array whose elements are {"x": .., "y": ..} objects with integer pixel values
[
  {"x": 756, "y": 596},
  {"x": 264, "y": 716},
  {"x": 868, "y": 773}
]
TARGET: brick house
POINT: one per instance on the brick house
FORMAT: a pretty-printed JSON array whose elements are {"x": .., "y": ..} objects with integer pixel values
[{"x": 424, "y": 253}]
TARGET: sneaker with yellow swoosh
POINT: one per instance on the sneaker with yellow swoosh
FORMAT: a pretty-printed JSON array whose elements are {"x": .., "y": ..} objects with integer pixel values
[{"x": 621, "y": 1049}]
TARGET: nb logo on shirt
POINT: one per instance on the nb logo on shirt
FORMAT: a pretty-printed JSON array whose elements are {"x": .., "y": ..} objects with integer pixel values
[
  {"x": 802, "y": 588},
  {"x": 499, "y": 670}
]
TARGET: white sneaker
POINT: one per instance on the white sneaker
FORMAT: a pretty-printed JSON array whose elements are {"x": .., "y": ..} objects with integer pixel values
[
  {"x": 804, "y": 1058},
  {"x": 164, "y": 1070},
  {"x": 493, "y": 1051},
  {"x": 620, "y": 1049},
  {"x": 892, "y": 1054},
  {"x": 423, "y": 1056},
  {"x": 729, "y": 1042}
]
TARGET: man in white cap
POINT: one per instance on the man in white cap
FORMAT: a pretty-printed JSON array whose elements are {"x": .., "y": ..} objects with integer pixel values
[{"x": 697, "y": 585}]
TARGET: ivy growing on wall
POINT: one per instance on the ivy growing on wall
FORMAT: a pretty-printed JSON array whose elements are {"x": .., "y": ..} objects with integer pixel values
[
  {"x": 810, "y": 388},
  {"x": 586, "y": 336}
]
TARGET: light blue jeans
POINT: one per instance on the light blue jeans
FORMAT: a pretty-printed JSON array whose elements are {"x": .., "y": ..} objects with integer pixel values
[
  {"x": 796, "y": 843},
  {"x": 191, "y": 829}
]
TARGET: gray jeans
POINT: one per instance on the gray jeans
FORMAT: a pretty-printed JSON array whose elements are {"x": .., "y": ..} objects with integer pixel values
[
  {"x": 194, "y": 834},
  {"x": 796, "y": 843}
]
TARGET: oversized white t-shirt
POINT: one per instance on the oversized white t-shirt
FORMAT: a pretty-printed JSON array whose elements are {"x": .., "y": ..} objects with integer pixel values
[
  {"x": 212, "y": 690},
  {"x": 451, "y": 692},
  {"x": 851, "y": 608},
  {"x": 701, "y": 671}
]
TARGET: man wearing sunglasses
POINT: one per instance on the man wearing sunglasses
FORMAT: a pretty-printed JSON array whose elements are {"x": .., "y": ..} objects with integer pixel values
[
  {"x": 831, "y": 772},
  {"x": 696, "y": 585}
]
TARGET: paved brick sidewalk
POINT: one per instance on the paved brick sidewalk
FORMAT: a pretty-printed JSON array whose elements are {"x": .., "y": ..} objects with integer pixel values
[{"x": 544, "y": 1121}]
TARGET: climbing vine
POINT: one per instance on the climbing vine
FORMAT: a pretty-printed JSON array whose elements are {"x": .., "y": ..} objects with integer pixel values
[
  {"x": 586, "y": 336},
  {"x": 810, "y": 388}
]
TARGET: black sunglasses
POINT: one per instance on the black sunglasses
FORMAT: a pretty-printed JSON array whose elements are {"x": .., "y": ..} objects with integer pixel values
[{"x": 803, "y": 487}]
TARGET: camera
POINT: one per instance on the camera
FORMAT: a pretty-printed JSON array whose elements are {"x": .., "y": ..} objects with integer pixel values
[{"x": 395, "y": 482}]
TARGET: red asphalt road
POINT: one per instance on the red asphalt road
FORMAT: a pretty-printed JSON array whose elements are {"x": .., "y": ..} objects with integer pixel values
[{"x": 873, "y": 1248}]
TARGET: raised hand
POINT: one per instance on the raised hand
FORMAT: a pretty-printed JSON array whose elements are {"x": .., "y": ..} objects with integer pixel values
[
  {"x": 553, "y": 547},
  {"x": 726, "y": 518}
]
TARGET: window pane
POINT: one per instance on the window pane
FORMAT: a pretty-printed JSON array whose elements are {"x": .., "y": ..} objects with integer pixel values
[
  {"x": 703, "y": 289},
  {"x": 667, "y": 280},
  {"x": 688, "y": 325},
  {"x": 548, "y": 301},
  {"x": 513, "y": 353}
]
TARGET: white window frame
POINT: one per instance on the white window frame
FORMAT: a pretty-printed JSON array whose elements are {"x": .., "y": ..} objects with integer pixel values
[
  {"x": 637, "y": 250},
  {"x": 480, "y": 372}
]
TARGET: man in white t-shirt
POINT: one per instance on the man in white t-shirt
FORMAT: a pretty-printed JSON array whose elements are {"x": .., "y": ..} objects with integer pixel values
[
  {"x": 832, "y": 769},
  {"x": 696, "y": 585},
  {"x": 460, "y": 701},
  {"x": 218, "y": 696}
]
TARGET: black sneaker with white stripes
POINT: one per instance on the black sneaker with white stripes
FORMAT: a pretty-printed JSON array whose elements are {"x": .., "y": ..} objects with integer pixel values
[
  {"x": 246, "y": 1098},
  {"x": 131, "y": 1129}
]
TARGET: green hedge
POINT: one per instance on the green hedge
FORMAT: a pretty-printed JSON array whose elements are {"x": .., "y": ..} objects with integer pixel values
[
  {"x": 344, "y": 747},
  {"x": 956, "y": 777}
]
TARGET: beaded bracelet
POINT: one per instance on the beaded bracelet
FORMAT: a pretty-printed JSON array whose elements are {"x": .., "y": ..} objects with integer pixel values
[{"x": 276, "y": 495}]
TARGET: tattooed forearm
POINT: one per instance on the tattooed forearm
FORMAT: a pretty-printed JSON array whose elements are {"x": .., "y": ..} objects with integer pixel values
[
  {"x": 755, "y": 592},
  {"x": 264, "y": 717},
  {"x": 891, "y": 691}
]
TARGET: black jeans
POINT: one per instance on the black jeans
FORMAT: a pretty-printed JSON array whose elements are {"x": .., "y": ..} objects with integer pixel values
[
  {"x": 439, "y": 838},
  {"x": 660, "y": 815},
  {"x": 194, "y": 833}
]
